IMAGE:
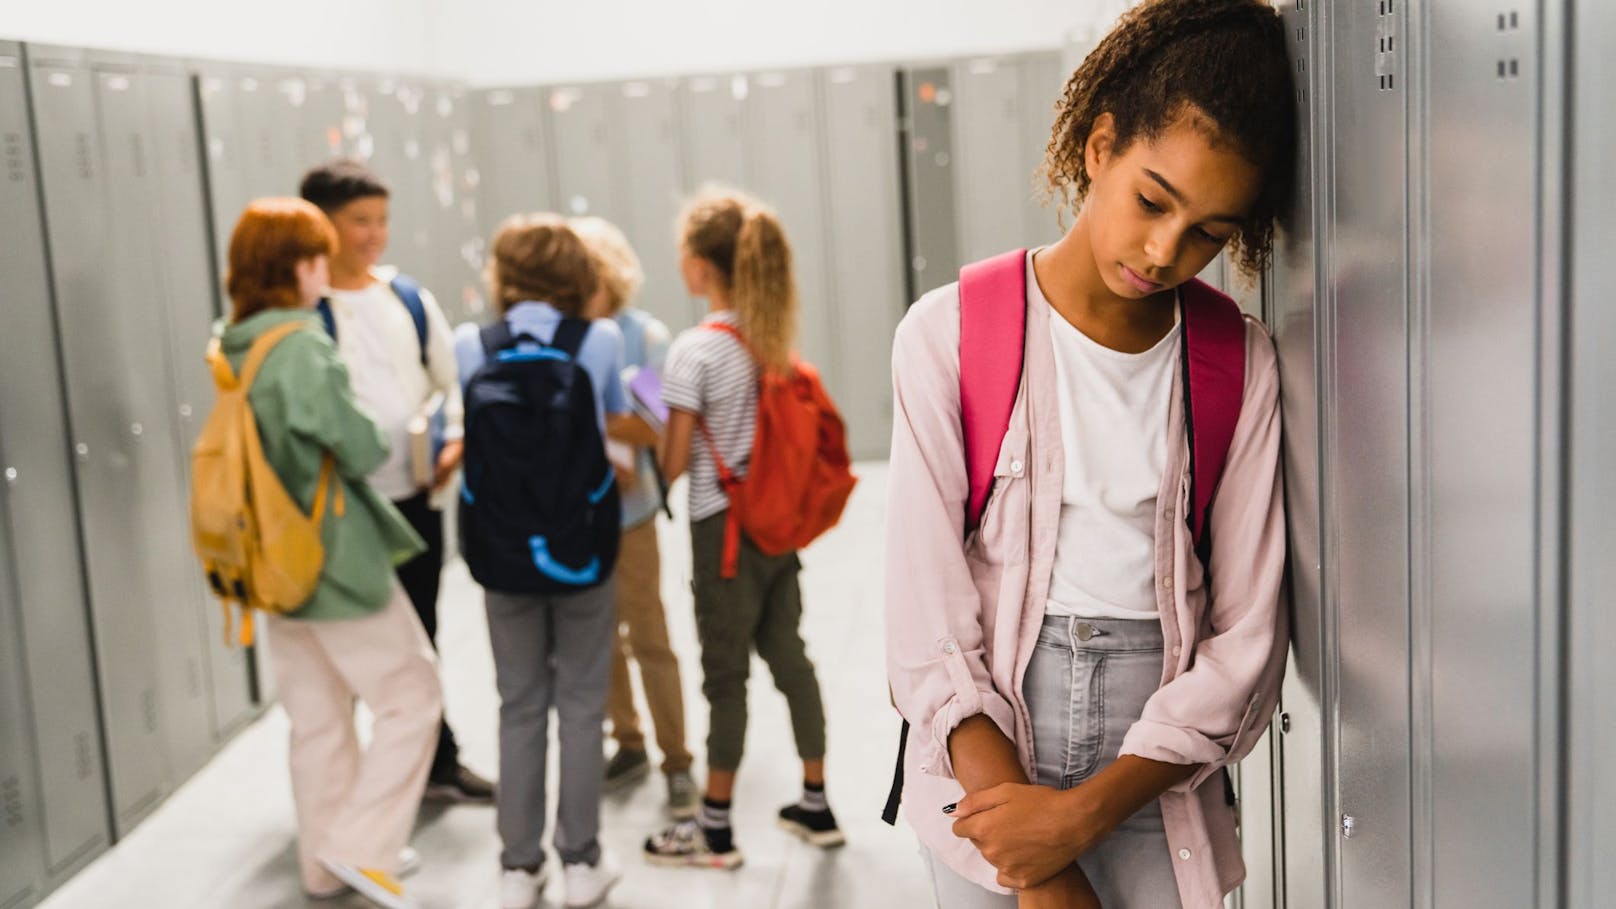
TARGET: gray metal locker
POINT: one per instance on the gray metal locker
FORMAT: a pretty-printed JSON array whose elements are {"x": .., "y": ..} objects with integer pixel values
[
  {"x": 457, "y": 247},
  {"x": 395, "y": 123},
  {"x": 1365, "y": 438},
  {"x": 1042, "y": 77},
  {"x": 867, "y": 286},
  {"x": 511, "y": 136},
  {"x": 130, "y": 317},
  {"x": 269, "y": 113},
  {"x": 785, "y": 168},
  {"x": 323, "y": 119},
  {"x": 646, "y": 132},
  {"x": 225, "y": 141},
  {"x": 928, "y": 115},
  {"x": 102, "y": 416},
  {"x": 47, "y": 564},
  {"x": 586, "y": 157},
  {"x": 710, "y": 114},
  {"x": 993, "y": 185},
  {"x": 22, "y": 834},
  {"x": 188, "y": 305}
]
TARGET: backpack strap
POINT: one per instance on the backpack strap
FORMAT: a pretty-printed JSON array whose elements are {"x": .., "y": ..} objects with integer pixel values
[
  {"x": 569, "y": 337},
  {"x": 261, "y": 346},
  {"x": 1215, "y": 378},
  {"x": 408, "y": 290},
  {"x": 496, "y": 336},
  {"x": 326, "y": 318},
  {"x": 729, "y": 563},
  {"x": 993, "y": 330}
]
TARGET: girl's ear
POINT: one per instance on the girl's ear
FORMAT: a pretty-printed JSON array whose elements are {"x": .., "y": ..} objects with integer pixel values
[{"x": 1102, "y": 141}]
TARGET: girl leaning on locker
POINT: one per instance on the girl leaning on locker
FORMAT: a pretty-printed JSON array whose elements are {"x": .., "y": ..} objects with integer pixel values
[
  {"x": 734, "y": 253},
  {"x": 1076, "y": 676},
  {"x": 358, "y": 636}
]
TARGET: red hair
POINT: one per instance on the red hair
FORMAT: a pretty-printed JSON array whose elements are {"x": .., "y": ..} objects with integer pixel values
[{"x": 272, "y": 236}]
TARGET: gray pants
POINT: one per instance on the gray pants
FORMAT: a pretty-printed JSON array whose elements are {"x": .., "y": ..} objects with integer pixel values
[
  {"x": 551, "y": 651},
  {"x": 1083, "y": 696}
]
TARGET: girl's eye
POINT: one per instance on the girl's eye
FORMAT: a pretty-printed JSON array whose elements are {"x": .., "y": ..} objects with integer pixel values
[
  {"x": 1148, "y": 205},
  {"x": 1210, "y": 237}
]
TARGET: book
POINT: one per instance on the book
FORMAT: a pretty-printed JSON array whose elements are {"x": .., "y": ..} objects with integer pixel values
[{"x": 645, "y": 396}]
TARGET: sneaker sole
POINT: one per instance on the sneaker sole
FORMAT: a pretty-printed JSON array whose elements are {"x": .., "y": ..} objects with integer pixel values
[
  {"x": 597, "y": 900},
  {"x": 727, "y": 862},
  {"x": 824, "y": 839},
  {"x": 371, "y": 890},
  {"x": 454, "y": 795},
  {"x": 623, "y": 781}
]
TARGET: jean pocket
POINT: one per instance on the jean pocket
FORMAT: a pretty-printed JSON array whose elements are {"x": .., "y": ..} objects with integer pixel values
[{"x": 1086, "y": 710}]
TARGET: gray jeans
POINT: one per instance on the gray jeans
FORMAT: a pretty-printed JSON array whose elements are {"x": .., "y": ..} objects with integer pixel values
[
  {"x": 551, "y": 651},
  {"x": 1083, "y": 696}
]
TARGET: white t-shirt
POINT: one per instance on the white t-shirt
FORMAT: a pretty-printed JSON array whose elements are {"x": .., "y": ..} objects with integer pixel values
[{"x": 1113, "y": 413}]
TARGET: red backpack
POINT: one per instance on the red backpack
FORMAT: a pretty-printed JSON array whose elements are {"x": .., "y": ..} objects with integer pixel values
[
  {"x": 993, "y": 335},
  {"x": 800, "y": 475}
]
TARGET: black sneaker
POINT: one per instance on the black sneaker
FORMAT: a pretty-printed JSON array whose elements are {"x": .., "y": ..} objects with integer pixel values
[
  {"x": 625, "y": 769},
  {"x": 685, "y": 845},
  {"x": 463, "y": 786},
  {"x": 817, "y": 828}
]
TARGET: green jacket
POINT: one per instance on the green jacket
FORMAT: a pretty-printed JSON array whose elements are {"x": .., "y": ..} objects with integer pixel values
[{"x": 305, "y": 407}]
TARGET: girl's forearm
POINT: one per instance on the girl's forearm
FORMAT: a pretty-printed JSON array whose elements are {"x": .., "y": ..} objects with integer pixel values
[{"x": 982, "y": 756}]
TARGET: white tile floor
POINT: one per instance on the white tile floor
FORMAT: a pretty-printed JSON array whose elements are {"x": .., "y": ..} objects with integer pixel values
[{"x": 226, "y": 838}]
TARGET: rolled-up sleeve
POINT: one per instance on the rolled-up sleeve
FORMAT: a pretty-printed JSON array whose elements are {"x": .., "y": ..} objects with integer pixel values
[
  {"x": 936, "y": 662},
  {"x": 1213, "y": 713}
]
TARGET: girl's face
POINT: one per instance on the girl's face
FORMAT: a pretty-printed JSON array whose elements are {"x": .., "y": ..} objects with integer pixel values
[
  {"x": 1161, "y": 211},
  {"x": 313, "y": 279},
  {"x": 697, "y": 272}
]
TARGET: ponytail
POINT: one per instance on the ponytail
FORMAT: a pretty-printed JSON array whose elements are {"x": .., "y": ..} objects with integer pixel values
[{"x": 744, "y": 239}]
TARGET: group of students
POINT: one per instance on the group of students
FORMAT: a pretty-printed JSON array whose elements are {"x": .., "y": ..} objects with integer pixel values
[
  {"x": 353, "y": 376},
  {"x": 1085, "y": 541}
]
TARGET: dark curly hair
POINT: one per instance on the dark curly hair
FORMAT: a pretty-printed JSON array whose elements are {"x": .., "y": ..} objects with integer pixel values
[{"x": 1223, "y": 61}]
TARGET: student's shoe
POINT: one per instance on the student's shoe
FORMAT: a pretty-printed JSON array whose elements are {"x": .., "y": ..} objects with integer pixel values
[
  {"x": 409, "y": 861},
  {"x": 684, "y": 845},
  {"x": 587, "y": 885},
  {"x": 817, "y": 828},
  {"x": 626, "y": 768},
  {"x": 379, "y": 887},
  {"x": 684, "y": 801},
  {"x": 462, "y": 786},
  {"x": 520, "y": 889}
]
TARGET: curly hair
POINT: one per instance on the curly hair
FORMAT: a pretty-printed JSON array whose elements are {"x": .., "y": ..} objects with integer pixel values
[
  {"x": 538, "y": 257},
  {"x": 1222, "y": 63}
]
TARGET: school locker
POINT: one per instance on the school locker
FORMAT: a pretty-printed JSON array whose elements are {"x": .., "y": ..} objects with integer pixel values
[
  {"x": 860, "y": 144},
  {"x": 458, "y": 252},
  {"x": 1042, "y": 79},
  {"x": 21, "y": 834},
  {"x": 130, "y": 318},
  {"x": 322, "y": 119},
  {"x": 710, "y": 115},
  {"x": 928, "y": 137},
  {"x": 646, "y": 131},
  {"x": 586, "y": 168},
  {"x": 188, "y": 303},
  {"x": 103, "y": 414},
  {"x": 511, "y": 134},
  {"x": 993, "y": 184},
  {"x": 395, "y": 121},
  {"x": 46, "y": 562},
  {"x": 224, "y": 142},
  {"x": 784, "y": 168}
]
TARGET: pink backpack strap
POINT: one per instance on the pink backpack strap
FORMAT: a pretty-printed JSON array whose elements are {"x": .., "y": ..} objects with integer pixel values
[
  {"x": 993, "y": 331},
  {"x": 1215, "y": 364}
]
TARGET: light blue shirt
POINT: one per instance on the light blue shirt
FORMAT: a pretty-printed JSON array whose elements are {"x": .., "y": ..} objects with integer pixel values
[
  {"x": 601, "y": 354},
  {"x": 645, "y": 341}
]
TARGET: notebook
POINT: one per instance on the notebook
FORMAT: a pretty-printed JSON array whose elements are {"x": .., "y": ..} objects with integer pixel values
[{"x": 645, "y": 396}]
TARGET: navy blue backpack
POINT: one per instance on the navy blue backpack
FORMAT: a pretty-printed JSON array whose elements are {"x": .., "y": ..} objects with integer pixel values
[{"x": 539, "y": 511}]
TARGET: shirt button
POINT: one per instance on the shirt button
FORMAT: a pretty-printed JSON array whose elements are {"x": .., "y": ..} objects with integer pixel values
[
  {"x": 1167, "y": 582},
  {"x": 1015, "y": 466},
  {"x": 949, "y": 647},
  {"x": 1184, "y": 854},
  {"x": 1177, "y": 650}
]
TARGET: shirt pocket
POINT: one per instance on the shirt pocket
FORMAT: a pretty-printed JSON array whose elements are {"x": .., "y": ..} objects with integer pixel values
[{"x": 1001, "y": 535}]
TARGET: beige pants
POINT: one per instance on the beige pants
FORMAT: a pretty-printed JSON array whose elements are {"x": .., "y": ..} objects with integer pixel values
[
  {"x": 356, "y": 806},
  {"x": 643, "y": 634}
]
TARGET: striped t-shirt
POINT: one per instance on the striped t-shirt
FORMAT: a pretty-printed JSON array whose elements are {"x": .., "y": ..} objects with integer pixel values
[{"x": 710, "y": 374}]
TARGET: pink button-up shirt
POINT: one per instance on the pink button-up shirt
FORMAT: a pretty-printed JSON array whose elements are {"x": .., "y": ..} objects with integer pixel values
[{"x": 963, "y": 613}]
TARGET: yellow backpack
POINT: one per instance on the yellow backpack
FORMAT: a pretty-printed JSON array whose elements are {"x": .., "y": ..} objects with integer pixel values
[{"x": 258, "y": 549}]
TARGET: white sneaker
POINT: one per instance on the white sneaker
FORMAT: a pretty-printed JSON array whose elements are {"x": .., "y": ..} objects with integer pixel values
[
  {"x": 409, "y": 861},
  {"x": 520, "y": 889},
  {"x": 587, "y": 885},
  {"x": 379, "y": 887}
]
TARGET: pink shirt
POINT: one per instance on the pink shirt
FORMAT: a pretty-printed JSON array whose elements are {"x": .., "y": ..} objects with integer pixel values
[{"x": 963, "y": 614}]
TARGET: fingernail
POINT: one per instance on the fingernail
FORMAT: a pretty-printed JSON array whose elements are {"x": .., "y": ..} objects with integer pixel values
[{"x": 949, "y": 808}]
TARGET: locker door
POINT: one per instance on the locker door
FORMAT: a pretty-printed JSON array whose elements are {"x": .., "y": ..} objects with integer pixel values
[
  {"x": 928, "y": 115},
  {"x": 47, "y": 563},
  {"x": 323, "y": 121},
  {"x": 586, "y": 172},
  {"x": 782, "y": 128},
  {"x": 1042, "y": 79},
  {"x": 993, "y": 183},
  {"x": 225, "y": 140},
  {"x": 866, "y": 251},
  {"x": 188, "y": 307},
  {"x": 22, "y": 866},
  {"x": 710, "y": 112},
  {"x": 652, "y": 172},
  {"x": 401, "y": 163},
  {"x": 269, "y": 119},
  {"x": 133, "y": 311},
  {"x": 1366, "y": 462},
  {"x": 102, "y": 413},
  {"x": 454, "y": 251},
  {"x": 512, "y": 139}
]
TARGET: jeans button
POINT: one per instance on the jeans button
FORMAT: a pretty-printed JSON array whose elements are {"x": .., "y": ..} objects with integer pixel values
[{"x": 1085, "y": 631}]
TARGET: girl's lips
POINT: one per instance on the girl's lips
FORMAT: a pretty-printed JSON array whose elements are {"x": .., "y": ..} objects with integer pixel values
[{"x": 1138, "y": 282}]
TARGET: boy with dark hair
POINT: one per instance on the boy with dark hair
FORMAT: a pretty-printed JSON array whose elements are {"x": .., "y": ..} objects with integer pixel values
[{"x": 400, "y": 353}]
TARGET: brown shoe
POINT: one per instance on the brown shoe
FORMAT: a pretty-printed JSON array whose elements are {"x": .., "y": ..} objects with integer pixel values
[{"x": 461, "y": 787}]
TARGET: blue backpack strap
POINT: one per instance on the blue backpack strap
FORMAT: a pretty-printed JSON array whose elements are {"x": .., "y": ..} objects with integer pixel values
[
  {"x": 408, "y": 290},
  {"x": 496, "y": 336},
  {"x": 324, "y": 309}
]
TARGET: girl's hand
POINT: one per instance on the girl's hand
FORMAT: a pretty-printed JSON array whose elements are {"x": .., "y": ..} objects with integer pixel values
[
  {"x": 1069, "y": 889},
  {"x": 1029, "y": 833}
]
